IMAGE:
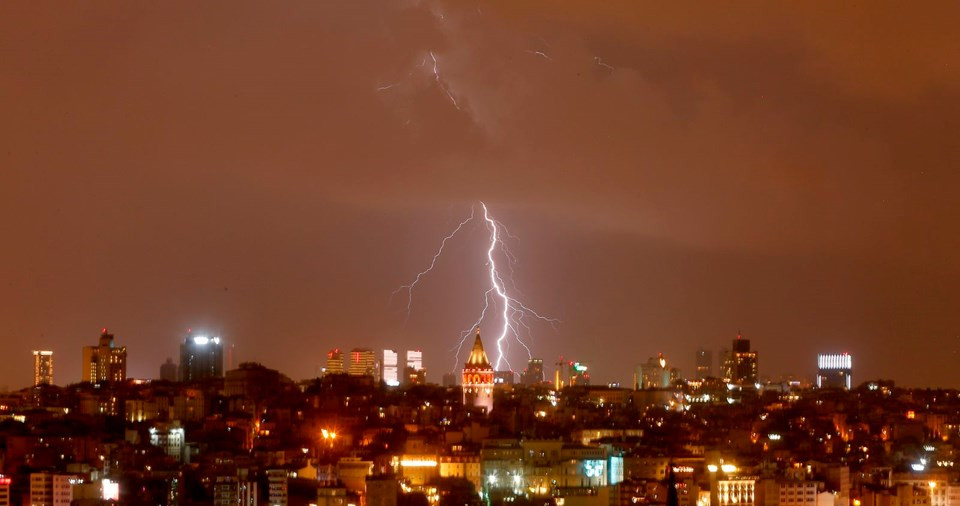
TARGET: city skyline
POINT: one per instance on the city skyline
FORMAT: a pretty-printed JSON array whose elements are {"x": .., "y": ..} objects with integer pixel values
[
  {"x": 384, "y": 365},
  {"x": 671, "y": 175}
]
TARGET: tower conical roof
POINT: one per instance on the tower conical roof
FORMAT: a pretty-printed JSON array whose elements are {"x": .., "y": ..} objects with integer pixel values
[{"x": 478, "y": 357}]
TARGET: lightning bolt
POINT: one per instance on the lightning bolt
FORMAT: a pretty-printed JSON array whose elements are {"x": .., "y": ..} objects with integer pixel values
[
  {"x": 433, "y": 262},
  {"x": 436, "y": 75},
  {"x": 539, "y": 53},
  {"x": 513, "y": 313},
  {"x": 599, "y": 61}
]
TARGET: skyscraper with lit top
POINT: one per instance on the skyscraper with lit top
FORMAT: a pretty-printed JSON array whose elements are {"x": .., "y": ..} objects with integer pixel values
[
  {"x": 835, "y": 370},
  {"x": 201, "y": 357},
  {"x": 478, "y": 378}
]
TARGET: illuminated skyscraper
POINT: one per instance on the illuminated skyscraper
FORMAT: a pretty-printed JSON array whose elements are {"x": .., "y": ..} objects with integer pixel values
[
  {"x": 104, "y": 362},
  {"x": 391, "y": 371},
  {"x": 478, "y": 378},
  {"x": 201, "y": 357},
  {"x": 835, "y": 370},
  {"x": 533, "y": 375},
  {"x": 414, "y": 372},
  {"x": 415, "y": 359},
  {"x": 335, "y": 362},
  {"x": 42, "y": 368},
  {"x": 363, "y": 362},
  {"x": 744, "y": 362},
  {"x": 655, "y": 373},
  {"x": 704, "y": 364}
]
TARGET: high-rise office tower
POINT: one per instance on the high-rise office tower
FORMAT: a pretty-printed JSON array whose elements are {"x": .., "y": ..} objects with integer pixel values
[
  {"x": 654, "y": 373},
  {"x": 726, "y": 364},
  {"x": 744, "y": 362},
  {"x": 414, "y": 372},
  {"x": 105, "y": 361},
  {"x": 42, "y": 368},
  {"x": 363, "y": 362},
  {"x": 391, "y": 369},
  {"x": 533, "y": 375},
  {"x": 335, "y": 362},
  {"x": 201, "y": 357},
  {"x": 704, "y": 363},
  {"x": 835, "y": 370},
  {"x": 169, "y": 371},
  {"x": 478, "y": 378},
  {"x": 415, "y": 359}
]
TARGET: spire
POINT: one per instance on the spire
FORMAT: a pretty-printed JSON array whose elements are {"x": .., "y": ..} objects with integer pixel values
[{"x": 478, "y": 357}]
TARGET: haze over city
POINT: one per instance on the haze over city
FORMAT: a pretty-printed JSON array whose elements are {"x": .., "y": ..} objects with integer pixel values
[{"x": 670, "y": 174}]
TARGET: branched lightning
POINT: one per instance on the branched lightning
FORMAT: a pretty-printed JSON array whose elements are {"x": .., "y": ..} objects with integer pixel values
[
  {"x": 514, "y": 313},
  {"x": 433, "y": 262}
]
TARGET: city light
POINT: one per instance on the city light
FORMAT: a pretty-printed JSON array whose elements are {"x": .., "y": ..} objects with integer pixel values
[
  {"x": 418, "y": 463},
  {"x": 111, "y": 490},
  {"x": 728, "y": 468}
]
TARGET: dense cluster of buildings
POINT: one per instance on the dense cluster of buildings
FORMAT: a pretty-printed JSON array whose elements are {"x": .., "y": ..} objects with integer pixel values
[{"x": 371, "y": 431}]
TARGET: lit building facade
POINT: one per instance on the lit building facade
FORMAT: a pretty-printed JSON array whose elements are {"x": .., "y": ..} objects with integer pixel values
[
  {"x": 835, "y": 370},
  {"x": 171, "y": 438},
  {"x": 743, "y": 365},
  {"x": 363, "y": 362},
  {"x": 201, "y": 357},
  {"x": 42, "y": 367},
  {"x": 478, "y": 378},
  {"x": 655, "y": 373},
  {"x": 547, "y": 467},
  {"x": 736, "y": 491},
  {"x": 391, "y": 368},
  {"x": 104, "y": 362},
  {"x": 48, "y": 489},
  {"x": 335, "y": 362},
  {"x": 5, "y": 482},
  {"x": 415, "y": 359},
  {"x": 414, "y": 373}
]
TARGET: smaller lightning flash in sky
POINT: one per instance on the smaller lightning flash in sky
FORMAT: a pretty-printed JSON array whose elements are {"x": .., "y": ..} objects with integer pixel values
[
  {"x": 440, "y": 83},
  {"x": 512, "y": 313}
]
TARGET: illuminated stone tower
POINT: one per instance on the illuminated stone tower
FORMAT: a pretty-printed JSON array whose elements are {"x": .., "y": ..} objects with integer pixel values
[{"x": 478, "y": 378}]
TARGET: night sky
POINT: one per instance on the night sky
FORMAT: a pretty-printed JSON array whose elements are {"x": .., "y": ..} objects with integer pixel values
[{"x": 673, "y": 173}]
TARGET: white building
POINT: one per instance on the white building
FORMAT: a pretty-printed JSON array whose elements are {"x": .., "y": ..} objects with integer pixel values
[
  {"x": 47, "y": 489},
  {"x": 391, "y": 368}
]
